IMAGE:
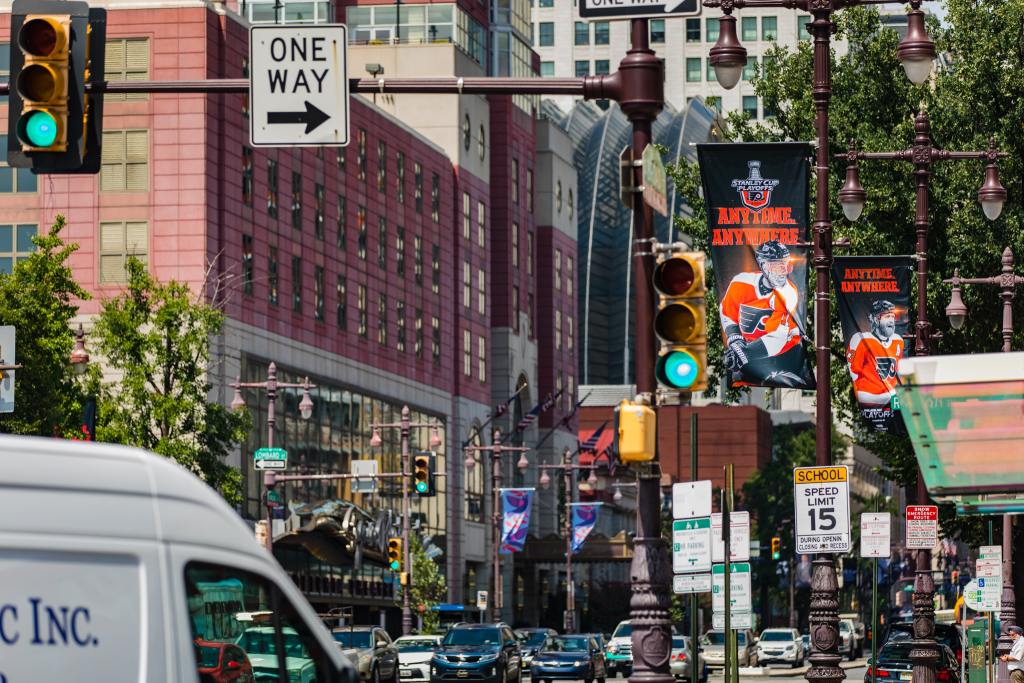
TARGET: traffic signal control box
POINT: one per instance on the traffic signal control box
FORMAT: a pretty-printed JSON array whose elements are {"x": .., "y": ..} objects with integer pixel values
[
  {"x": 395, "y": 554},
  {"x": 637, "y": 432},
  {"x": 56, "y": 48},
  {"x": 680, "y": 321},
  {"x": 423, "y": 474}
]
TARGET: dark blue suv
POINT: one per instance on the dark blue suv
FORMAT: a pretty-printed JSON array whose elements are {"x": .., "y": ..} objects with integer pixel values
[{"x": 477, "y": 652}]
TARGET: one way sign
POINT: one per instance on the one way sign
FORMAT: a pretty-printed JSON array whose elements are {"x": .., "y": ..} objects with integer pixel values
[
  {"x": 298, "y": 85},
  {"x": 632, "y": 9}
]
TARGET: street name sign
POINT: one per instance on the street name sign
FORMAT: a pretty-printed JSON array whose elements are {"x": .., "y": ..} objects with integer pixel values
[
  {"x": 737, "y": 620},
  {"x": 298, "y": 85},
  {"x": 821, "y": 500},
  {"x": 691, "y": 583},
  {"x": 691, "y": 545},
  {"x": 739, "y": 537},
  {"x": 739, "y": 587},
  {"x": 633, "y": 9},
  {"x": 270, "y": 459},
  {"x": 922, "y": 526},
  {"x": 875, "y": 534},
  {"x": 654, "y": 180},
  {"x": 691, "y": 499}
]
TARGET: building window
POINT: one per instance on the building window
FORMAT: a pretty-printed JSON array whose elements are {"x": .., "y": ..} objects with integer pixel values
[
  {"x": 382, "y": 166},
  {"x": 693, "y": 70},
  {"x": 481, "y": 291},
  {"x": 296, "y": 200},
  {"x": 126, "y": 59},
  {"x": 481, "y": 223},
  {"x": 435, "y": 341},
  {"x": 568, "y": 275},
  {"x": 400, "y": 252},
  {"x": 340, "y": 159},
  {"x": 296, "y": 284},
  {"x": 582, "y": 68},
  {"x": 481, "y": 360},
  {"x": 749, "y": 28},
  {"x": 529, "y": 252},
  {"x": 435, "y": 198},
  {"x": 247, "y": 264},
  {"x": 582, "y": 36},
  {"x": 120, "y": 240},
  {"x": 693, "y": 30},
  {"x": 750, "y": 106},
  {"x": 710, "y": 72},
  {"x": 515, "y": 245},
  {"x": 418, "y": 328},
  {"x": 125, "y": 163},
  {"x": 14, "y": 179},
  {"x": 515, "y": 308},
  {"x": 318, "y": 293},
  {"x": 711, "y": 30},
  {"x": 417, "y": 179},
  {"x": 361, "y": 233},
  {"x": 529, "y": 190},
  {"x": 657, "y": 31},
  {"x": 602, "y": 67},
  {"x": 481, "y": 143},
  {"x": 271, "y": 188},
  {"x": 572, "y": 204},
  {"x": 361, "y": 154},
  {"x": 361, "y": 309},
  {"x": 570, "y": 391},
  {"x": 547, "y": 69},
  {"x": 382, "y": 320},
  {"x": 467, "y": 353},
  {"x": 467, "y": 132},
  {"x": 558, "y": 330},
  {"x": 803, "y": 32},
  {"x": 16, "y": 244},
  {"x": 546, "y": 34},
  {"x": 467, "y": 218},
  {"x": 602, "y": 33},
  {"x": 400, "y": 323},
  {"x": 546, "y": 3},
  {"x": 417, "y": 259},
  {"x": 435, "y": 269},
  {"x": 246, "y": 175},
  {"x": 515, "y": 181},
  {"x": 272, "y": 275},
  {"x": 318, "y": 210},
  {"x": 558, "y": 270},
  {"x": 341, "y": 309},
  {"x": 750, "y": 68},
  {"x": 529, "y": 313},
  {"x": 467, "y": 283},
  {"x": 569, "y": 330},
  {"x": 769, "y": 28},
  {"x": 342, "y": 224},
  {"x": 558, "y": 196},
  {"x": 382, "y": 242},
  {"x": 713, "y": 101},
  {"x": 400, "y": 177}
]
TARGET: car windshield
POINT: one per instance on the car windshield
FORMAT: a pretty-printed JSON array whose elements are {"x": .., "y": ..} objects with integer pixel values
[
  {"x": 356, "y": 640},
  {"x": 898, "y": 653},
  {"x": 472, "y": 636},
  {"x": 415, "y": 645},
  {"x": 624, "y": 630},
  {"x": 714, "y": 638},
  {"x": 569, "y": 644},
  {"x": 777, "y": 635},
  {"x": 844, "y": 627},
  {"x": 533, "y": 638},
  {"x": 208, "y": 656},
  {"x": 679, "y": 643},
  {"x": 263, "y": 642}
]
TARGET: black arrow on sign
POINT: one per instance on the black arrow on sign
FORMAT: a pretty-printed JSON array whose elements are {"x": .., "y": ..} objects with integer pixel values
[{"x": 312, "y": 117}]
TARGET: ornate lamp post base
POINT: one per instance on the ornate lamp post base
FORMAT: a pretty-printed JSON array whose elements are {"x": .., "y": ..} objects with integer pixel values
[{"x": 824, "y": 626}]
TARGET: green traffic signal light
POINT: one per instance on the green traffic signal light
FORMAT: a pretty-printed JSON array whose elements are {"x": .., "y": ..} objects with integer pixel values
[
  {"x": 38, "y": 128},
  {"x": 678, "y": 368},
  {"x": 776, "y": 556},
  {"x": 421, "y": 487},
  {"x": 394, "y": 565}
]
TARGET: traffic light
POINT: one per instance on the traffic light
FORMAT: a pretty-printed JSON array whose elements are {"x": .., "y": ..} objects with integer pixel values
[
  {"x": 423, "y": 474},
  {"x": 395, "y": 554},
  {"x": 680, "y": 321},
  {"x": 637, "y": 432},
  {"x": 56, "y": 48},
  {"x": 776, "y": 548}
]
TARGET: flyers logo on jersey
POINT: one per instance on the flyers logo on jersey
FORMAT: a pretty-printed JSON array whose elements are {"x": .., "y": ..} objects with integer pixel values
[
  {"x": 885, "y": 366},
  {"x": 755, "y": 191},
  {"x": 752, "y": 319}
]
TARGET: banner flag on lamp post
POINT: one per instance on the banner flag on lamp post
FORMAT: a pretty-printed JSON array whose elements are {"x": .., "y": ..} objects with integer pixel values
[
  {"x": 515, "y": 508},
  {"x": 584, "y": 517}
]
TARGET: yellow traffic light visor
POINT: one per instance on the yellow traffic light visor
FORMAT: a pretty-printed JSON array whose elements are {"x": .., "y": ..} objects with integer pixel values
[
  {"x": 679, "y": 275},
  {"x": 678, "y": 322},
  {"x": 44, "y": 35}
]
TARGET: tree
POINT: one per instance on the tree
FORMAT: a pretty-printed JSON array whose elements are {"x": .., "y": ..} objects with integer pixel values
[
  {"x": 156, "y": 337},
  {"x": 38, "y": 299},
  {"x": 428, "y": 586}
]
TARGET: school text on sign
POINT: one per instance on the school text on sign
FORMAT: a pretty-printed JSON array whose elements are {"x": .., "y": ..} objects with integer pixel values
[{"x": 821, "y": 501}]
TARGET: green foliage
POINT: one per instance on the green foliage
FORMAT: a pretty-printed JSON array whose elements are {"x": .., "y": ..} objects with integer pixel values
[
  {"x": 156, "y": 337},
  {"x": 428, "y": 587},
  {"x": 38, "y": 299}
]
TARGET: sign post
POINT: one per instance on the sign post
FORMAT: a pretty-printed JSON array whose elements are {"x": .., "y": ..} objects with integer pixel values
[
  {"x": 875, "y": 542},
  {"x": 270, "y": 459},
  {"x": 922, "y": 527},
  {"x": 821, "y": 498}
]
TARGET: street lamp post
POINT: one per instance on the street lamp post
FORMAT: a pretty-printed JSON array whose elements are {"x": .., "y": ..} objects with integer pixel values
[
  {"x": 728, "y": 57},
  {"x": 406, "y": 425},
  {"x": 495, "y": 449},
  {"x": 271, "y": 387},
  {"x": 923, "y": 154},
  {"x": 1007, "y": 282}
]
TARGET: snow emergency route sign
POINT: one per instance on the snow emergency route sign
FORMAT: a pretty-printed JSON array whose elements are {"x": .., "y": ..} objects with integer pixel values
[
  {"x": 821, "y": 500},
  {"x": 298, "y": 85}
]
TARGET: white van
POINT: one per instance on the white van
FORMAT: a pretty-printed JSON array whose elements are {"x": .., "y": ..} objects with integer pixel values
[{"x": 118, "y": 565}]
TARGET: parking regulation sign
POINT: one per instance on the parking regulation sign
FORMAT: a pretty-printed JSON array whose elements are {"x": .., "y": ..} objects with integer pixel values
[
  {"x": 922, "y": 527},
  {"x": 691, "y": 545},
  {"x": 821, "y": 500}
]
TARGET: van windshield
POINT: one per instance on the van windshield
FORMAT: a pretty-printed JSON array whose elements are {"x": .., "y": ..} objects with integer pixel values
[
  {"x": 356, "y": 640},
  {"x": 262, "y": 642},
  {"x": 624, "y": 630}
]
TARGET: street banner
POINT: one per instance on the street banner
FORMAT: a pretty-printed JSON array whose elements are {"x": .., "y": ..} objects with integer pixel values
[
  {"x": 515, "y": 510},
  {"x": 756, "y": 199},
  {"x": 873, "y": 296},
  {"x": 584, "y": 517}
]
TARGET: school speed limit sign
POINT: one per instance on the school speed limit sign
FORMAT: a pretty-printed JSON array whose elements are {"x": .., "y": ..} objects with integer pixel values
[{"x": 821, "y": 498}]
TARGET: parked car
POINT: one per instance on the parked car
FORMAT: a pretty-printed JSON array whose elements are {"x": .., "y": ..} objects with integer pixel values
[
  {"x": 950, "y": 635},
  {"x": 619, "y": 651},
  {"x": 219, "y": 662},
  {"x": 371, "y": 650},
  {"x": 481, "y": 652},
  {"x": 569, "y": 657},
  {"x": 683, "y": 658},
  {"x": 531, "y": 640},
  {"x": 806, "y": 640},
  {"x": 601, "y": 639},
  {"x": 260, "y": 646},
  {"x": 849, "y": 644},
  {"x": 894, "y": 664},
  {"x": 414, "y": 655},
  {"x": 713, "y": 643},
  {"x": 781, "y": 645}
]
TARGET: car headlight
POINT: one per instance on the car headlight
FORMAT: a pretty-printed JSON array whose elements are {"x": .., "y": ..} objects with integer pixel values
[
  {"x": 613, "y": 649},
  {"x": 489, "y": 658}
]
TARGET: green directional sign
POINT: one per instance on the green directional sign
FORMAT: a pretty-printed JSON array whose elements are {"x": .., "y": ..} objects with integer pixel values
[
  {"x": 691, "y": 545},
  {"x": 270, "y": 459},
  {"x": 739, "y": 587}
]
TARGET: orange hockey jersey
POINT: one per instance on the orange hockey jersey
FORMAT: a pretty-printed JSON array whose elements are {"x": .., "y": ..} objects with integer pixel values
[
  {"x": 873, "y": 365},
  {"x": 770, "y": 317}
]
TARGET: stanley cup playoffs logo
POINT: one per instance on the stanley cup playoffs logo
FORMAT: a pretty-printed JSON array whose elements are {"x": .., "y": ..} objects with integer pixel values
[{"x": 755, "y": 191}]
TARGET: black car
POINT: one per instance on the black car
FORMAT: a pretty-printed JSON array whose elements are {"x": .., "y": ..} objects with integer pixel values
[
  {"x": 894, "y": 664},
  {"x": 477, "y": 652},
  {"x": 531, "y": 640},
  {"x": 950, "y": 635},
  {"x": 571, "y": 657}
]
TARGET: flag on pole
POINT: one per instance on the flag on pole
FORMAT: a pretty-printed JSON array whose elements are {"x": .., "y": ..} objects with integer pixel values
[
  {"x": 535, "y": 412},
  {"x": 515, "y": 509},
  {"x": 591, "y": 443},
  {"x": 584, "y": 517}
]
